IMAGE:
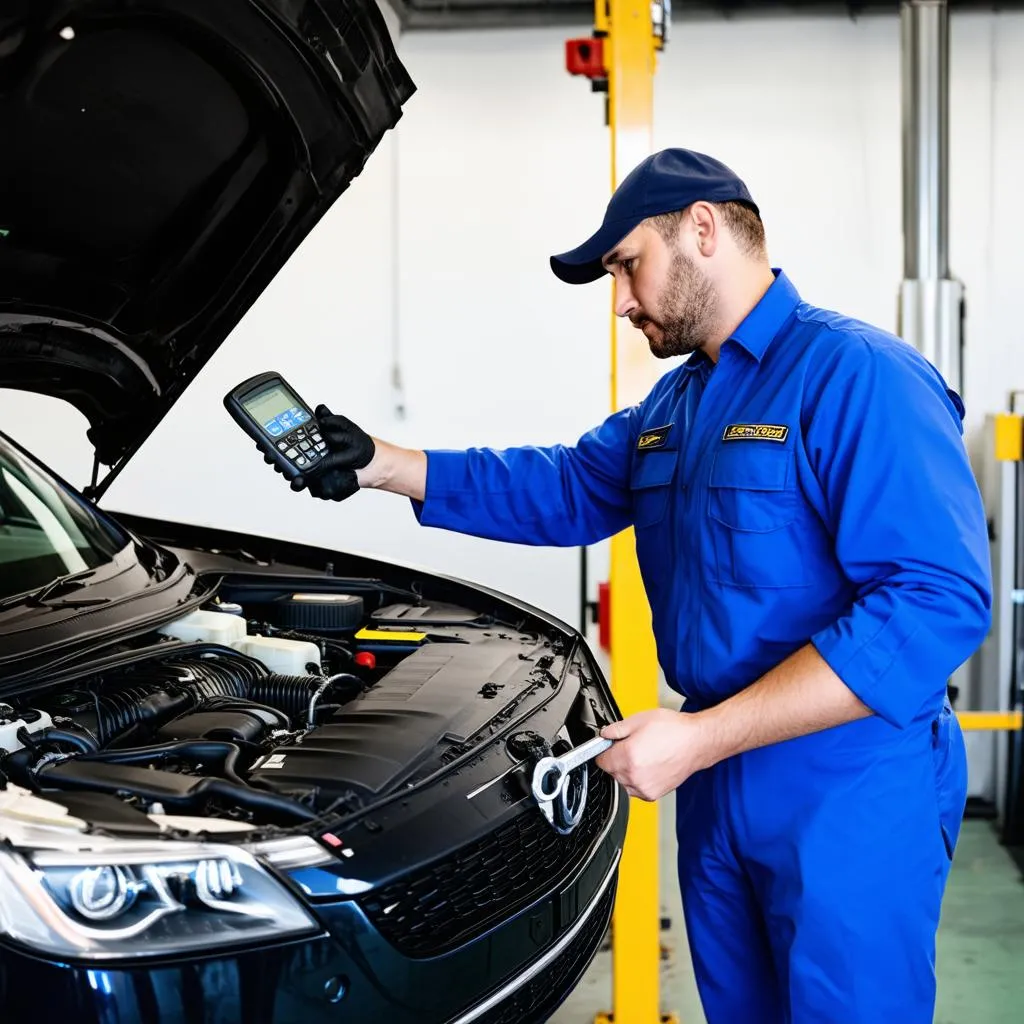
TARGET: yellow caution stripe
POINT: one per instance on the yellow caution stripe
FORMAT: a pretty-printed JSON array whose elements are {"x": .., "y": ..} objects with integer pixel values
[
  {"x": 1009, "y": 437},
  {"x": 392, "y": 635},
  {"x": 990, "y": 720}
]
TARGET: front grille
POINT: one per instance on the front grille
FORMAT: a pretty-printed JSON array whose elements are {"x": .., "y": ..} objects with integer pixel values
[
  {"x": 457, "y": 899},
  {"x": 538, "y": 999}
]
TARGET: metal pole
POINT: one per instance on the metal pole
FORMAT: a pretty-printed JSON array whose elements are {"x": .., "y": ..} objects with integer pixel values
[
  {"x": 930, "y": 302},
  {"x": 925, "y": 28}
]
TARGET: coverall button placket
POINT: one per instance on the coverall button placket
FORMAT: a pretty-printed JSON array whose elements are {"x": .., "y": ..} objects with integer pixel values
[
  {"x": 693, "y": 390},
  {"x": 721, "y": 393}
]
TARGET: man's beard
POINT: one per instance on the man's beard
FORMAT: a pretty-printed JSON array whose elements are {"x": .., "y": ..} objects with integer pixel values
[{"x": 688, "y": 310}]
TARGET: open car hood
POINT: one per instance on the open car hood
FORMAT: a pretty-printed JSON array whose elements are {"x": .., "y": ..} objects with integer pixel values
[{"x": 162, "y": 159}]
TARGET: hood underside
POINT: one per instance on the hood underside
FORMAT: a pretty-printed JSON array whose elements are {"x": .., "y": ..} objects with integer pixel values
[{"x": 162, "y": 159}]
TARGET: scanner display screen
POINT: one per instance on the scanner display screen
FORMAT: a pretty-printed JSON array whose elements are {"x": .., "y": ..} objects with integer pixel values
[{"x": 276, "y": 410}]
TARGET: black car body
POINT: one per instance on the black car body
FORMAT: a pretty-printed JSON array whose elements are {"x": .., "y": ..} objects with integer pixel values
[{"x": 243, "y": 779}]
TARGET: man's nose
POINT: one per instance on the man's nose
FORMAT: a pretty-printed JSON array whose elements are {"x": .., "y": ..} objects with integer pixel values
[{"x": 625, "y": 303}]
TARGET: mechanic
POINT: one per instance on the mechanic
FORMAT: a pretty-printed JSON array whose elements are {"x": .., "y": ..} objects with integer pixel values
[{"x": 814, "y": 548}]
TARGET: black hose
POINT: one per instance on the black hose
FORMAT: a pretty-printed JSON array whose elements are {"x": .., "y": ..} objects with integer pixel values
[
  {"x": 18, "y": 766},
  {"x": 322, "y": 709},
  {"x": 221, "y": 755},
  {"x": 84, "y": 744},
  {"x": 213, "y": 680},
  {"x": 121, "y": 710},
  {"x": 280, "y": 808},
  {"x": 289, "y": 693},
  {"x": 327, "y": 685},
  {"x": 347, "y": 677},
  {"x": 244, "y": 704},
  {"x": 255, "y": 799},
  {"x": 25, "y": 738}
]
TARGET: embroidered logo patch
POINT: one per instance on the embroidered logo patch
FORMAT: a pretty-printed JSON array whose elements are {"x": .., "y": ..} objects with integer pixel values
[
  {"x": 756, "y": 432},
  {"x": 651, "y": 439}
]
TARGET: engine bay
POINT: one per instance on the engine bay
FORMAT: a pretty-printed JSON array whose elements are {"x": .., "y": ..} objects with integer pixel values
[{"x": 270, "y": 709}]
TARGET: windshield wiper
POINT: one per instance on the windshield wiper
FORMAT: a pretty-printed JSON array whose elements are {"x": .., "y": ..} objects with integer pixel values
[
  {"x": 39, "y": 596},
  {"x": 48, "y": 590}
]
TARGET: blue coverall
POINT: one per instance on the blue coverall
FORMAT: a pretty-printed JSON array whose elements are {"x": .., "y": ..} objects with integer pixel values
[{"x": 812, "y": 486}]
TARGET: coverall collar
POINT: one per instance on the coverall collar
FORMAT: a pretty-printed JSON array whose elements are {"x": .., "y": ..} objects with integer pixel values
[
  {"x": 766, "y": 319},
  {"x": 761, "y": 324}
]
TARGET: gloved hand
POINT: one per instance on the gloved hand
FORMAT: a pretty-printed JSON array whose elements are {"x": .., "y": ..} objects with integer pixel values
[{"x": 349, "y": 448}]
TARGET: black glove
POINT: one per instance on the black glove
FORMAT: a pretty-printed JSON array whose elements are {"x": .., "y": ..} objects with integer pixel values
[{"x": 348, "y": 448}]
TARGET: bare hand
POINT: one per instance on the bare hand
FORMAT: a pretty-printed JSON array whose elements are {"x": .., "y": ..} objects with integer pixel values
[{"x": 655, "y": 751}]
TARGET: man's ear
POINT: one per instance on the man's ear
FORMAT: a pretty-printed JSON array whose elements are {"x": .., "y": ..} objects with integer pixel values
[{"x": 705, "y": 228}]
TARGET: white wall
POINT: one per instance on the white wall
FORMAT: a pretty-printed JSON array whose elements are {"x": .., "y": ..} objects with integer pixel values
[
  {"x": 501, "y": 158},
  {"x": 987, "y": 212},
  {"x": 808, "y": 113}
]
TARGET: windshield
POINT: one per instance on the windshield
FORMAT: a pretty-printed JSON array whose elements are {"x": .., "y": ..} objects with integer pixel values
[{"x": 45, "y": 531}]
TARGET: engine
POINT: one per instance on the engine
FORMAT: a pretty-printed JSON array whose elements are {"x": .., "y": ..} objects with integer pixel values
[
  {"x": 269, "y": 723},
  {"x": 177, "y": 732}
]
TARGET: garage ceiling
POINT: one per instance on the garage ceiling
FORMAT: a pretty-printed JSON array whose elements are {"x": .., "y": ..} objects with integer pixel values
[{"x": 463, "y": 14}]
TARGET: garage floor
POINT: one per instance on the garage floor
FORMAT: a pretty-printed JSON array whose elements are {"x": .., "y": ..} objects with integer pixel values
[{"x": 980, "y": 947}]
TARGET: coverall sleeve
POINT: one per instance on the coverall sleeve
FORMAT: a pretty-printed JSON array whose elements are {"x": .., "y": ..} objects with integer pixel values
[
  {"x": 557, "y": 496},
  {"x": 885, "y": 440}
]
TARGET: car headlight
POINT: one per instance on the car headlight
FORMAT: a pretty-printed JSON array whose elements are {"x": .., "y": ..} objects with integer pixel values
[{"x": 143, "y": 900}]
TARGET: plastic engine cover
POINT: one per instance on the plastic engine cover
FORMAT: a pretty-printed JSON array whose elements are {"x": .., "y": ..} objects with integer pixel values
[{"x": 381, "y": 737}]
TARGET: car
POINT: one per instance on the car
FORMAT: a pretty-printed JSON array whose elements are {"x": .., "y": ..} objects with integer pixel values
[{"x": 243, "y": 779}]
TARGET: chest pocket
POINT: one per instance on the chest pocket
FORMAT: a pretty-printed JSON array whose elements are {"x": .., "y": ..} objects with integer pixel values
[
  {"x": 755, "y": 511},
  {"x": 650, "y": 483}
]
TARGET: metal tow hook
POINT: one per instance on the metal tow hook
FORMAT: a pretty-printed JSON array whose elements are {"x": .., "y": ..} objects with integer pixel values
[{"x": 560, "y": 790}]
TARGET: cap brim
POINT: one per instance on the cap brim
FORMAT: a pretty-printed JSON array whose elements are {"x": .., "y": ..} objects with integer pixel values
[{"x": 583, "y": 264}]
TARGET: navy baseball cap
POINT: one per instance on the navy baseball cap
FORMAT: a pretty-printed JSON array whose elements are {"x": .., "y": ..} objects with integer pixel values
[{"x": 665, "y": 182}]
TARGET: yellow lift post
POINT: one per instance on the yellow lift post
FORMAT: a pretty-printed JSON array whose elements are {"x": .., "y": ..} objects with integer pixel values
[{"x": 620, "y": 59}]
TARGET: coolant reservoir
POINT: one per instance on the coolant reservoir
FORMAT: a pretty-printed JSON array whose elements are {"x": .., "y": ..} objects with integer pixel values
[
  {"x": 287, "y": 657},
  {"x": 206, "y": 627},
  {"x": 9, "y": 726}
]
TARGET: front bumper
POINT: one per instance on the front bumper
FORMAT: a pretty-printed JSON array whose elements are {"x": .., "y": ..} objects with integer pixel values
[
  {"x": 536, "y": 992},
  {"x": 516, "y": 972}
]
